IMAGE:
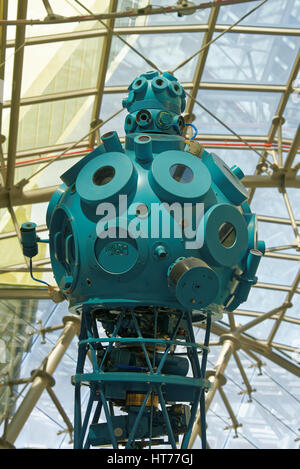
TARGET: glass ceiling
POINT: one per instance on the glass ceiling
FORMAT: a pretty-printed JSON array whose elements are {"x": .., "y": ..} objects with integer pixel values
[{"x": 75, "y": 73}]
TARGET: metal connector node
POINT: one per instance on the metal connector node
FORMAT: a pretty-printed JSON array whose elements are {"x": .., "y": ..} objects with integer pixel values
[{"x": 187, "y": 8}]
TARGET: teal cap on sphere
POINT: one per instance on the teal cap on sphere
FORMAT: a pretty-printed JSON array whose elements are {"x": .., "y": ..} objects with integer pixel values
[{"x": 155, "y": 102}]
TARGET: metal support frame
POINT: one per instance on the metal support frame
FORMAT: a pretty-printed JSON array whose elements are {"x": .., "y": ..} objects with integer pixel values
[
  {"x": 279, "y": 114},
  {"x": 42, "y": 379},
  {"x": 249, "y": 390},
  {"x": 293, "y": 150},
  {"x": 287, "y": 303},
  {"x": 256, "y": 314},
  {"x": 233, "y": 337},
  {"x": 258, "y": 346},
  {"x": 103, "y": 64},
  {"x": 3, "y": 14},
  {"x": 24, "y": 267},
  {"x": 235, "y": 425},
  {"x": 28, "y": 101},
  {"x": 16, "y": 94},
  {"x": 134, "y": 12},
  {"x": 156, "y": 380},
  {"x": 281, "y": 221},
  {"x": 18, "y": 232},
  {"x": 202, "y": 59},
  {"x": 217, "y": 379},
  {"x": 20, "y": 197},
  {"x": 159, "y": 29},
  {"x": 62, "y": 412},
  {"x": 12, "y": 234},
  {"x": 231, "y": 341},
  {"x": 291, "y": 214}
]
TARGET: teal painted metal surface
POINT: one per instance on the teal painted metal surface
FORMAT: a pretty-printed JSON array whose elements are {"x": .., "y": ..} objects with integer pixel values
[{"x": 146, "y": 239}]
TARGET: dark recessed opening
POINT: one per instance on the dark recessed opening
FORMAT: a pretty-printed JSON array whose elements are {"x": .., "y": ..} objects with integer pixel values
[
  {"x": 144, "y": 138},
  {"x": 103, "y": 175},
  {"x": 181, "y": 173},
  {"x": 108, "y": 134},
  {"x": 227, "y": 234},
  {"x": 181, "y": 122},
  {"x": 159, "y": 82},
  {"x": 143, "y": 116}
]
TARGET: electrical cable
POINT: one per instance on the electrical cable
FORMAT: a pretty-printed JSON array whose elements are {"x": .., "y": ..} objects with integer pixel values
[
  {"x": 25, "y": 181},
  {"x": 186, "y": 61},
  {"x": 227, "y": 127},
  {"x": 263, "y": 406},
  {"x": 263, "y": 372},
  {"x": 111, "y": 30},
  {"x": 240, "y": 433},
  {"x": 269, "y": 146},
  {"x": 33, "y": 278},
  {"x": 238, "y": 411},
  {"x": 104, "y": 122},
  {"x": 203, "y": 371},
  {"x": 195, "y": 130},
  {"x": 217, "y": 37},
  {"x": 145, "y": 11},
  {"x": 12, "y": 55}
]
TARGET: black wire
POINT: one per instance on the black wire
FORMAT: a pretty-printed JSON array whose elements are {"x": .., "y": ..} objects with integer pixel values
[
  {"x": 203, "y": 370},
  {"x": 264, "y": 407}
]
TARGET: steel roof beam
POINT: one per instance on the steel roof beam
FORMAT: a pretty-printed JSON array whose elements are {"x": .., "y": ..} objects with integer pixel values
[
  {"x": 23, "y": 267},
  {"x": 288, "y": 300},
  {"x": 272, "y": 286},
  {"x": 12, "y": 234},
  {"x": 127, "y": 31},
  {"x": 293, "y": 150},
  {"x": 279, "y": 255},
  {"x": 270, "y": 181},
  {"x": 258, "y": 346},
  {"x": 212, "y": 20},
  {"x": 208, "y": 137},
  {"x": 50, "y": 149},
  {"x": 16, "y": 93},
  {"x": 81, "y": 153},
  {"x": 134, "y": 12},
  {"x": 233, "y": 138},
  {"x": 33, "y": 100},
  {"x": 124, "y": 89},
  {"x": 284, "y": 99},
  {"x": 279, "y": 113},
  {"x": 19, "y": 197},
  {"x": 53, "y": 97},
  {"x": 256, "y": 314},
  {"x": 3, "y": 15},
  {"x": 41, "y": 379},
  {"x": 28, "y": 293},
  {"x": 103, "y": 65},
  {"x": 281, "y": 221},
  {"x": 34, "y": 196}
]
